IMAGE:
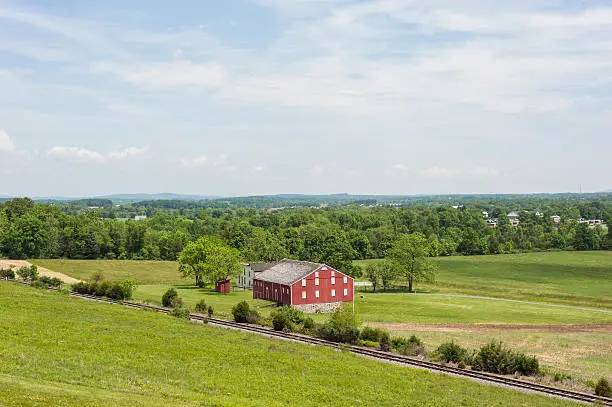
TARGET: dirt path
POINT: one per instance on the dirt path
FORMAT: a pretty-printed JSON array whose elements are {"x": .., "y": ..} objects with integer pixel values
[
  {"x": 602, "y": 328},
  {"x": 5, "y": 264}
]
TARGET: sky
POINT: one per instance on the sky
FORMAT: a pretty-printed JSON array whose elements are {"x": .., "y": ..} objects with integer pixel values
[{"x": 305, "y": 96}]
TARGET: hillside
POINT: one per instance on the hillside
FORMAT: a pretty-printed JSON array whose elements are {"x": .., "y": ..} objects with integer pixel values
[{"x": 59, "y": 350}]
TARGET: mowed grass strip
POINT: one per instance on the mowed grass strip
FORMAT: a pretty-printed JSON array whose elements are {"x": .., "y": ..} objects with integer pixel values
[
  {"x": 58, "y": 350},
  {"x": 139, "y": 271},
  {"x": 572, "y": 278}
]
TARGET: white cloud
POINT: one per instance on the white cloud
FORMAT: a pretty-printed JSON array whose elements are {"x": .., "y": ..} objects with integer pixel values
[
  {"x": 195, "y": 162},
  {"x": 439, "y": 172},
  {"x": 399, "y": 167},
  {"x": 6, "y": 143},
  {"x": 81, "y": 155},
  {"x": 483, "y": 172},
  {"x": 259, "y": 168},
  {"x": 318, "y": 169},
  {"x": 76, "y": 154}
]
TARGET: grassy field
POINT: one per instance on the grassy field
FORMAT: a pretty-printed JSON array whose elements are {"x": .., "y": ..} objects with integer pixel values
[
  {"x": 575, "y": 278},
  {"x": 141, "y": 272},
  {"x": 58, "y": 350}
]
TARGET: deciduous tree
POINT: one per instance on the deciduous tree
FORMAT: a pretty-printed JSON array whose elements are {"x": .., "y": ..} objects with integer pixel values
[{"x": 409, "y": 256}]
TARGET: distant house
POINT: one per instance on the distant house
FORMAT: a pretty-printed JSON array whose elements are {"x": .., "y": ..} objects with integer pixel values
[
  {"x": 514, "y": 218},
  {"x": 556, "y": 218},
  {"x": 592, "y": 222},
  {"x": 492, "y": 223},
  {"x": 307, "y": 286},
  {"x": 245, "y": 280},
  {"x": 140, "y": 217}
]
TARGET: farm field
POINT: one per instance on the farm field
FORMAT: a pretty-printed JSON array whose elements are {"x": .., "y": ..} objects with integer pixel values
[
  {"x": 59, "y": 350},
  {"x": 573, "y": 278}
]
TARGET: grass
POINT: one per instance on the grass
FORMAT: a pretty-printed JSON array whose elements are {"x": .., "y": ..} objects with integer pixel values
[
  {"x": 573, "y": 278},
  {"x": 141, "y": 272},
  {"x": 58, "y": 350}
]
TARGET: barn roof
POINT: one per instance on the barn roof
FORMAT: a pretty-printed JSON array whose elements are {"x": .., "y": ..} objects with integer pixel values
[
  {"x": 259, "y": 267},
  {"x": 288, "y": 271}
]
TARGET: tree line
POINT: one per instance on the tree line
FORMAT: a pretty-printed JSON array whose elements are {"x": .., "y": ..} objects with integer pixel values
[{"x": 334, "y": 235}]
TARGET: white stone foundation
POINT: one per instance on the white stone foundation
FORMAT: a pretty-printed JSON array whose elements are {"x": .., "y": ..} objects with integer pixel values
[{"x": 324, "y": 307}]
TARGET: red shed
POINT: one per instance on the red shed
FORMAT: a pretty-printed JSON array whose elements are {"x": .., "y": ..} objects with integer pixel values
[
  {"x": 223, "y": 286},
  {"x": 304, "y": 285}
]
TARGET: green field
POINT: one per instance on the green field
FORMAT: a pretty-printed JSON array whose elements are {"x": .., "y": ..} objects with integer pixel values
[
  {"x": 58, "y": 350},
  {"x": 575, "y": 278},
  {"x": 141, "y": 272}
]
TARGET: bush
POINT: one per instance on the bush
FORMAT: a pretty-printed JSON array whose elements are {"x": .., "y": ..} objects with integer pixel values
[
  {"x": 252, "y": 317},
  {"x": 308, "y": 324},
  {"x": 168, "y": 297},
  {"x": 210, "y": 311},
  {"x": 7, "y": 273},
  {"x": 371, "y": 334},
  {"x": 287, "y": 318},
  {"x": 451, "y": 352},
  {"x": 385, "y": 341},
  {"x": 28, "y": 273},
  {"x": 369, "y": 344},
  {"x": 51, "y": 281},
  {"x": 201, "y": 307},
  {"x": 241, "y": 311},
  {"x": 341, "y": 327},
  {"x": 97, "y": 276},
  {"x": 281, "y": 321},
  {"x": 602, "y": 388},
  {"x": 177, "y": 303},
  {"x": 412, "y": 346},
  {"x": 180, "y": 312},
  {"x": 496, "y": 358},
  {"x": 119, "y": 291},
  {"x": 39, "y": 284}
]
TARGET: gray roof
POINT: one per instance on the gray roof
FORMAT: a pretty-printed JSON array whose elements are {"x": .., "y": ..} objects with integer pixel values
[
  {"x": 259, "y": 267},
  {"x": 288, "y": 271}
]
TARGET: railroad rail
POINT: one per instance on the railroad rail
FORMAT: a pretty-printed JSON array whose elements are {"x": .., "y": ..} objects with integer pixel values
[{"x": 378, "y": 354}]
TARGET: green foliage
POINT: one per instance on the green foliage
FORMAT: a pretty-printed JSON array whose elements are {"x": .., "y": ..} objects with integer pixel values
[
  {"x": 602, "y": 388},
  {"x": 408, "y": 346},
  {"x": 494, "y": 357},
  {"x": 51, "y": 281},
  {"x": 39, "y": 284},
  {"x": 122, "y": 290},
  {"x": 209, "y": 260},
  {"x": 369, "y": 333},
  {"x": 451, "y": 352},
  {"x": 180, "y": 312},
  {"x": 342, "y": 326},
  {"x": 168, "y": 297},
  {"x": 368, "y": 344},
  {"x": 241, "y": 311},
  {"x": 210, "y": 311},
  {"x": 7, "y": 273},
  {"x": 28, "y": 273},
  {"x": 385, "y": 341},
  {"x": 201, "y": 306},
  {"x": 286, "y": 318},
  {"x": 409, "y": 257}
]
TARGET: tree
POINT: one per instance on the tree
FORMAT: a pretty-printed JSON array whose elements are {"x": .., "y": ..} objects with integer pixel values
[
  {"x": 609, "y": 237},
  {"x": 372, "y": 274},
  {"x": 409, "y": 256},
  {"x": 209, "y": 260},
  {"x": 388, "y": 274}
]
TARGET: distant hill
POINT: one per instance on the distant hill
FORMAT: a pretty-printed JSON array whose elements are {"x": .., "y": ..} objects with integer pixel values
[{"x": 129, "y": 198}]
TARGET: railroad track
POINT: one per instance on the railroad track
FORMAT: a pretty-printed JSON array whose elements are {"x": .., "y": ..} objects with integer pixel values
[{"x": 377, "y": 354}]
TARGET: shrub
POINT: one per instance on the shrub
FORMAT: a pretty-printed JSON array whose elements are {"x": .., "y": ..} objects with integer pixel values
[
  {"x": 602, "y": 388},
  {"x": 168, "y": 297},
  {"x": 412, "y": 346},
  {"x": 201, "y": 306},
  {"x": 558, "y": 377},
  {"x": 496, "y": 358},
  {"x": 177, "y": 303},
  {"x": 287, "y": 318},
  {"x": 240, "y": 311},
  {"x": 97, "y": 276},
  {"x": 308, "y": 323},
  {"x": 210, "y": 311},
  {"x": 341, "y": 327},
  {"x": 252, "y": 317},
  {"x": 126, "y": 289},
  {"x": 119, "y": 291},
  {"x": 28, "y": 273},
  {"x": 180, "y": 312},
  {"x": 385, "y": 341},
  {"x": 39, "y": 284},
  {"x": 371, "y": 334},
  {"x": 51, "y": 281},
  {"x": 451, "y": 352},
  {"x": 102, "y": 288},
  {"x": 281, "y": 321},
  {"x": 7, "y": 273}
]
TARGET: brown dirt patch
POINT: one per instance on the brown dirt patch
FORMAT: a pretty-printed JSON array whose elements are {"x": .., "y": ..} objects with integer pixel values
[
  {"x": 5, "y": 264},
  {"x": 603, "y": 328}
]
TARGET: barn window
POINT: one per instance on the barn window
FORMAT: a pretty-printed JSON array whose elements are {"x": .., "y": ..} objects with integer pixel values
[
  {"x": 333, "y": 293},
  {"x": 345, "y": 292},
  {"x": 333, "y": 273},
  {"x": 324, "y": 268},
  {"x": 333, "y": 280},
  {"x": 304, "y": 282},
  {"x": 303, "y": 295},
  {"x": 316, "y": 281},
  {"x": 317, "y": 294},
  {"x": 316, "y": 274},
  {"x": 345, "y": 279}
]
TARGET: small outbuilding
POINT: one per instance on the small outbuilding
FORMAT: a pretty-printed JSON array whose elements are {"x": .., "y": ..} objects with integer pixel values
[
  {"x": 223, "y": 286},
  {"x": 307, "y": 286}
]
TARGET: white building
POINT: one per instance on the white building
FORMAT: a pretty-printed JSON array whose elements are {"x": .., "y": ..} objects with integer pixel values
[{"x": 245, "y": 280}]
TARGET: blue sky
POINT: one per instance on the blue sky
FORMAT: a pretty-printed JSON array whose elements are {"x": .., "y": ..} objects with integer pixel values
[{"x": 305, "y": 96}]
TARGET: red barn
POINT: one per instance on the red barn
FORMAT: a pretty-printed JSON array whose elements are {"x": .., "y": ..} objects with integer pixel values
[{"x": 304, "y": 285}]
